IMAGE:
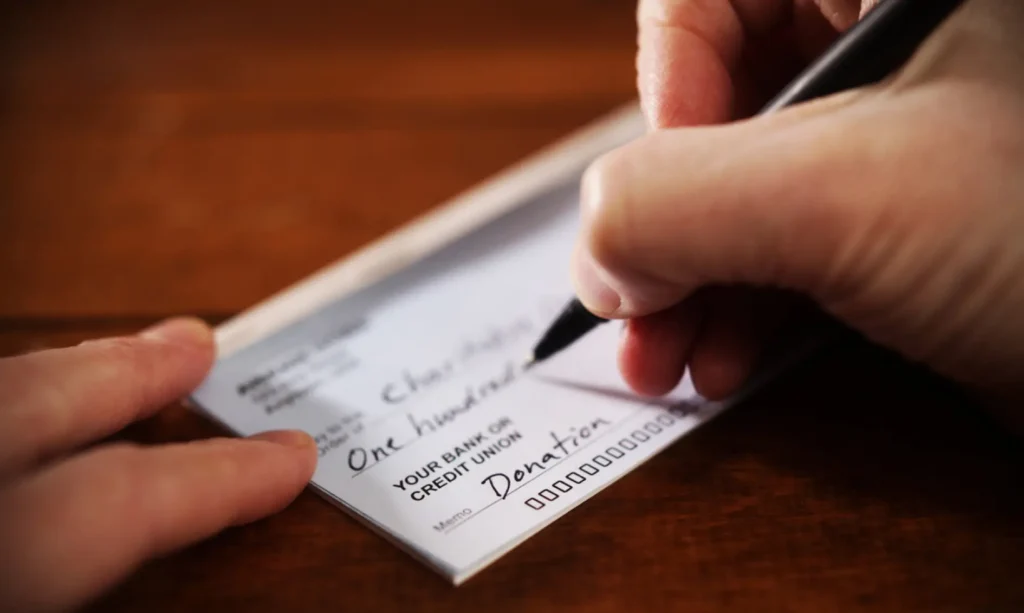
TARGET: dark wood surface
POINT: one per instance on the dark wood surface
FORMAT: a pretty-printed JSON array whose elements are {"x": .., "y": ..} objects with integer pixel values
[{"x": 194, "y": 157}]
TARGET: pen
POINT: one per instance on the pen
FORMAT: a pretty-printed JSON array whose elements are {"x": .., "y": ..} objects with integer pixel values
[{"x": 869, "y": 51}]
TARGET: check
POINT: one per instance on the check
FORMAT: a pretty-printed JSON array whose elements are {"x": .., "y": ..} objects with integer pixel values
[{"x": 429, "y": 430}]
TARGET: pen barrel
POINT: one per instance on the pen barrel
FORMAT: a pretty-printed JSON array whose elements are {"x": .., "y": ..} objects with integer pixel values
[{"x": 874, "y": 47}]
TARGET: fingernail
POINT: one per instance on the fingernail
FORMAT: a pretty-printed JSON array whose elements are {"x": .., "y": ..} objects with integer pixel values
[
  {"x": 297, "y": 439},
  {"x": 178, "y": 330},
  {"x": 593, "y": 291}
]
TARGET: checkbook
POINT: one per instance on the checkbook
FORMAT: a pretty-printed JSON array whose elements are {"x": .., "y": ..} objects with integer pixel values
[{"x": 404, "y": 361}]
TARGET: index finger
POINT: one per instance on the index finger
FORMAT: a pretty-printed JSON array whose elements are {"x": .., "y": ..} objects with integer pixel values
[
  {"x": 691, "y": 52},
  {"x": 54, "y": 400}
]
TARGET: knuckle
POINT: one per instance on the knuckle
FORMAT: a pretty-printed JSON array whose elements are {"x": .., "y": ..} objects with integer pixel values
[
  {"x": 225, "y": 460},
  {"x": 118, "y": 349},
  {"x": 668, "y": 13},
  {"x": 130, "y": 483},
  {"x": 227, "y": 467},
  {"x": 606, "y": 202},
  {"x": 130, "y": 366},
  {"x": 118, "y": 476}
]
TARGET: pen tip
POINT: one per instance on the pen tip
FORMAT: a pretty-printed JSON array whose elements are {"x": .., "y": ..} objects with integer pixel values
[{"x": 529, "y": 362}]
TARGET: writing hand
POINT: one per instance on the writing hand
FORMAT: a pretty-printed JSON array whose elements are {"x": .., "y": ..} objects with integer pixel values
[
  {"x": 72, "y": 523},
  {"x": 899, "y": 208}
]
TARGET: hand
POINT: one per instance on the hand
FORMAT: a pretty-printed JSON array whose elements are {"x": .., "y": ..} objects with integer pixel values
[
  {"x": 898, "y": 208},
  {"x": 73, "y": 524}
]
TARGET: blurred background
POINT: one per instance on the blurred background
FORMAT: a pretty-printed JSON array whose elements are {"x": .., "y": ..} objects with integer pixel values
[
  {"x": 196, "y": 156},
  {"x": 161, "y": 158}
]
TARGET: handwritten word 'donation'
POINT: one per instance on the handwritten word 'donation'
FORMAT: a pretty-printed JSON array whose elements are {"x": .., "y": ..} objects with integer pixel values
[{"x": 562, "y": 447}]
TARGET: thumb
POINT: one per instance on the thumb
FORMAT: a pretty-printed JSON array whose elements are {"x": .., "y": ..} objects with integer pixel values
[{"x": 773, "y": 201}]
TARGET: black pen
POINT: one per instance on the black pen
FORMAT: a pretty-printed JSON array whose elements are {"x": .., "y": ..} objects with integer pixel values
[{"x": 873, "y": 48}]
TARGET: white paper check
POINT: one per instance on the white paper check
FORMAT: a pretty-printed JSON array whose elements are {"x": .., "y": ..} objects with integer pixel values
[{"x": 429, "y": 430}]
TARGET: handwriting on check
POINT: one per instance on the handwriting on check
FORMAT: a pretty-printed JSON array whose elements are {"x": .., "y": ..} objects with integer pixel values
[{"x": 412, "y": 428}]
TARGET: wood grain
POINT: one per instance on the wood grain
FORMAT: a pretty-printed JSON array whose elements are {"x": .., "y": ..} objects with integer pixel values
[
  {"x": 211, "y": 137},
  {"x": 160, "y": 158}
]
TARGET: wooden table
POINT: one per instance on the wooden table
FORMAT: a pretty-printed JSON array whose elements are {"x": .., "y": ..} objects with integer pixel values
[{"x": 195, "y": 157}]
